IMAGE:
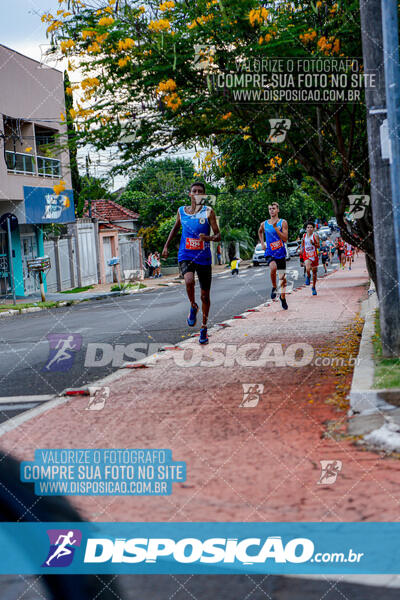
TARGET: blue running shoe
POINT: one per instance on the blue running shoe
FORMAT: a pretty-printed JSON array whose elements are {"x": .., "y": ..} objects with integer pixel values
[
  {"x": 314, "y": 291},
  {"x": 273, "y": 293},
  {"x": 203, "y": 339},
  {"x": 192, "y": 318},
  {"x": 284, "y": 303},
  {"x": 307, "y": 280}
]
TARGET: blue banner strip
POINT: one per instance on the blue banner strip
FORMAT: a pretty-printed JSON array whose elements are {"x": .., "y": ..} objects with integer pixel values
[{"x": 200, "y": 548}]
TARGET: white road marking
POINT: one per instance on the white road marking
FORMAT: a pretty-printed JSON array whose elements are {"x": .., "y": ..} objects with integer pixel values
[
  {"x": 21, "y": 406},
  {"x": 30, "y": 414},
  {"x": 24, "y": 399}
]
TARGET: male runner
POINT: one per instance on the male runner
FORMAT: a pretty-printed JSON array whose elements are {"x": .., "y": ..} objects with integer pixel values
[
  {"x": 194, "y": 255},
  {"x": 339, "y": 245},
  {"x": 325, "y": 254},
  {"x": 349, "y": 254},
  {"x": 276, "y": 234},
  {"x": 309, "y": 247}
]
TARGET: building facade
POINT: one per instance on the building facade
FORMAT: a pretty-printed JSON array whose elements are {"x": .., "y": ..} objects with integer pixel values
[
  {"x": 34, "y": 158},
  {"x": 117, "y": 235}
]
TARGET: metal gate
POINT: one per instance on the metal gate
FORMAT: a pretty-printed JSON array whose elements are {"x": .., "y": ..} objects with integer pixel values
[
  {"x": 4, "y": 266},
  {"x": 28, "y": 251},
  {"x": 130, "y": 254},
  {"x": 87, "y": 252},
  {"x": 107, "y": 252}
]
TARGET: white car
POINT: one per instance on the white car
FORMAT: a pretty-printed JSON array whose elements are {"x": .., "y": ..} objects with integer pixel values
[
  {"x": 324, "y": 231},
  {"x": 294, "y": 248},
  {"x": 259, "y": 258}
]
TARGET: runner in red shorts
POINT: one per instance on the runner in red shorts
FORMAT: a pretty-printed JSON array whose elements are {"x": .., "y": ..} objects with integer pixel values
[
  {"x": 309, "y": 250},
  {"x": 349, "y": 254}
]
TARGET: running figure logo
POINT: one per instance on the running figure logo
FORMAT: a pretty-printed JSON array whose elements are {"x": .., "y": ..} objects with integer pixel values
[
  {"x": 358, "y": 205},
  {"x": 63, "y": 347},
  {"x": 98, "y": 397},
  {"x": 279, "y": 129},
  {"x": 251, "y": 394},
  {"x": 292, "y": 275},
  {"x": 62, "y": 547},
  {"x": 330, "y": 469}
]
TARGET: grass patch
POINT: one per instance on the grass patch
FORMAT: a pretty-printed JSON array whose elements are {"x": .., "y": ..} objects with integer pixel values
[
  {"x": 387, "y": 370},
  {"x": 127, "y": 286},
  {"x": 78, "y": 289},
  {"x": 19, "y": 307}
]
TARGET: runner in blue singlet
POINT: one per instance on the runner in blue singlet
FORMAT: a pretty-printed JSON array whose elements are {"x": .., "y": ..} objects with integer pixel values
[
  {"x": 194, "y": 255},
  {"x": 275, "y": 231}
]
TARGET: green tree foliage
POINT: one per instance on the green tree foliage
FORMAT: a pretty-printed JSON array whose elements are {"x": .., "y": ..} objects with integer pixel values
[
  {"x": 92, "y": 188},
  {"x": 158, "y": 189},
  {"x": 166, "y": 101},
  {"x": 154, "y": 237},
  {"x": 132, "y": 199},
  {"x": 72, "y": 143},
  {"x": 298, "y": 201}
]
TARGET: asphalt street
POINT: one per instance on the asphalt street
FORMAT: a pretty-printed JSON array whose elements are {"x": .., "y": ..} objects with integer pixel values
[{"x": 106, "y": 333}]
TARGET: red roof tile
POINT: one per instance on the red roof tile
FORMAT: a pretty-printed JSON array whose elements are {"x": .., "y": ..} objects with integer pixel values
[
  {"x": 108, "y": 210},
  {"x": 115, "y": 227}
]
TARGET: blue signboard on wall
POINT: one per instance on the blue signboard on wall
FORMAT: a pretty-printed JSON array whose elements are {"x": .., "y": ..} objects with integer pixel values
[{"x": 42, "y": 205}]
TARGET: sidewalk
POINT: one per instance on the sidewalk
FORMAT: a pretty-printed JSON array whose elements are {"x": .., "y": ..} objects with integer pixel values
[{"x": 259, "y": 463}]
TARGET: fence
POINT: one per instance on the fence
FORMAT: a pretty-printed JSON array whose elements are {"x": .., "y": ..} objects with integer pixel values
[
  {"x": 130, "y": 251},
  {"x": 73, "y": 258}
]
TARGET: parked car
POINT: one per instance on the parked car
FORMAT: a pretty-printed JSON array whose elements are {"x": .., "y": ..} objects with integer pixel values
[
  {"x": 333, "y": 224},
  {"x": 259, "y": 258},
  {"x": 294, "y": 248},
  {"x": 324, "y": 231}
]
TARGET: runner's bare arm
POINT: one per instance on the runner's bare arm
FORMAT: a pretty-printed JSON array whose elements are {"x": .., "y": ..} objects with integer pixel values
[
  {"x": 261, "y": 236},
  {"x": 214, "y": 226},
  {"x": 316, "y": 241},
  {"x": 284, "y": 234},
  {"x": 172, "y": 234}
]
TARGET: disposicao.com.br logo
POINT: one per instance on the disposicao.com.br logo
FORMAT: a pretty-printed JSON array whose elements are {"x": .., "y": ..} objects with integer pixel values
[
  {"x": 62, "y": 547},
  {"x": 247, "y": 551}
]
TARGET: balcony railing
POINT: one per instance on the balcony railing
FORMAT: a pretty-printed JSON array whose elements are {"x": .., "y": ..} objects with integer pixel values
[
  {"x": 48, "y": 167},
  {"x": 17, "y": 162},
  {"x": 24, "y": 164}
]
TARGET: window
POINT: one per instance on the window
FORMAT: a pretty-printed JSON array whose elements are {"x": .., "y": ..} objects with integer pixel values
[{"x": 19, "y": 162}]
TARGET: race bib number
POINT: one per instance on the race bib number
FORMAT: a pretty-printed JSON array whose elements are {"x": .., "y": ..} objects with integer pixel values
[
  {"x": 311, "y": 254},
  {"x": 193, "y": 244},
  {"x": 276, "y": 245}
]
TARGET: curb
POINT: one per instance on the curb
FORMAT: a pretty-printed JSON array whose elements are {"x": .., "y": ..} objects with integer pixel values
[
  {"x": 364, "y": 399},
  {"x": 374, "y": 414}
]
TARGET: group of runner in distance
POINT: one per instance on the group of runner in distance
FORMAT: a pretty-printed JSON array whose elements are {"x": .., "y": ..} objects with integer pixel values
[{"x": 194, "y": 254}]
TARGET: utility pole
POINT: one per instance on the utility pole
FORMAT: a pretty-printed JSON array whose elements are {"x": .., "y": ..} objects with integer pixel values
[
  {"x": 381, "y": 195},
  {"x": 390, "y": 27}
]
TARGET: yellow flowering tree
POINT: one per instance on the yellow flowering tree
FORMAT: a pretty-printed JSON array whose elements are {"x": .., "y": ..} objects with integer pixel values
[{"x": 151, "y": 85}]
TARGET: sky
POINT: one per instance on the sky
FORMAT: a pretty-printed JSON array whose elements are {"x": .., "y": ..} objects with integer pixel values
[{"x": 21, "y": 29}]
